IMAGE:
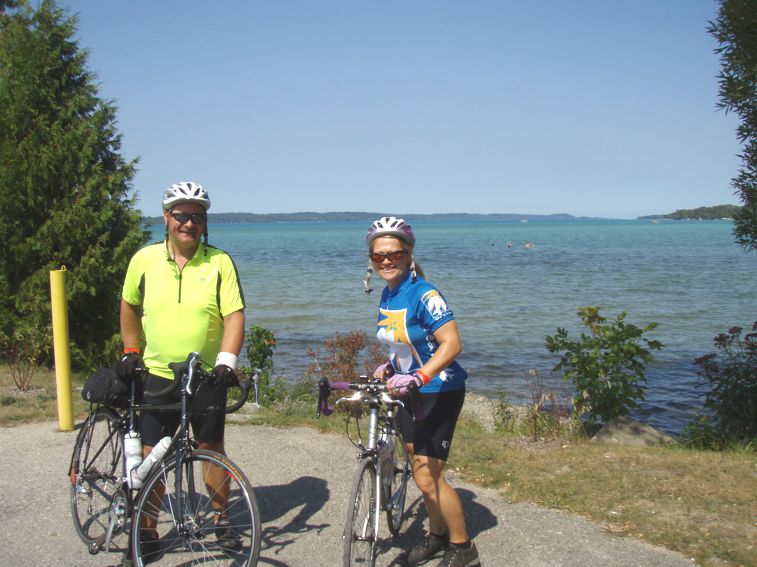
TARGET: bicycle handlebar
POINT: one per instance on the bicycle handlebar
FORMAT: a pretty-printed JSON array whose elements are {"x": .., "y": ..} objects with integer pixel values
[
  {"x": 365, "y": 386},
  {"x": 190, "y": 368}
]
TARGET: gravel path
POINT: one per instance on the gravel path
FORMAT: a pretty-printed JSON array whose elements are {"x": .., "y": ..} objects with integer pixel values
[{"x": 302, "y": 480}]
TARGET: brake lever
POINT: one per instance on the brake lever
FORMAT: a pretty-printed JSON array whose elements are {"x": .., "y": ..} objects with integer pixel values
[
  {"x": 412, "y": 394},
  {"x": 323, "y": 398},
  {"x": 255, "y": 378}
]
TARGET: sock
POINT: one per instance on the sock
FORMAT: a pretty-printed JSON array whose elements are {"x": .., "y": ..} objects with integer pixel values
[{"x": 465, "y": 545}]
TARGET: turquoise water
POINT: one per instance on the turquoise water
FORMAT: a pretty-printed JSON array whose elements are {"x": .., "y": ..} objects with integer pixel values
[{"x": 304, "y": 281}]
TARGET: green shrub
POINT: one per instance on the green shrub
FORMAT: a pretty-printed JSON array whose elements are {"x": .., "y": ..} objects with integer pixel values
[
  {"x": 606, "y": 365},
  {"x": 260, "y": 346},
  {"x": 731, "y": 378}
]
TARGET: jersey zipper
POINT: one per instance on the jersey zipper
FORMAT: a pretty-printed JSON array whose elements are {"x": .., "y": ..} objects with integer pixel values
[{"x": 181, "y": 278}]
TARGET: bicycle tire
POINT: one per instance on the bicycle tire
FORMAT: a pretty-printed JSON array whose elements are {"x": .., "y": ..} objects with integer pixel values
[
  {"x": 401, "y": 472},
  {"x": 96, "y": 467},
  {"x": 360, "y": 531},
  {"x": 191, "y": 539}
]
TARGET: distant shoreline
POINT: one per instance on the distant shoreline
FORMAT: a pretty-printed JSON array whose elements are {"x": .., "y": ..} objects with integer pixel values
[
  {"x": 268, "y": 218},
  {"x": 239, "y": 218}
]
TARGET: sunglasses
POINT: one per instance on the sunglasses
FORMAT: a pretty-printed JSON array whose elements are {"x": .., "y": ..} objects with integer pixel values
[
  {"x": 393, "y": 256},
  {"x": 184, "y": 218}
]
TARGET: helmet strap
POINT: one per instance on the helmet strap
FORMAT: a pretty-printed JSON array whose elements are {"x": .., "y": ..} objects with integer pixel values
[
  {"x": 205, "y": 240},
  {"x": 367, "y": 280}
]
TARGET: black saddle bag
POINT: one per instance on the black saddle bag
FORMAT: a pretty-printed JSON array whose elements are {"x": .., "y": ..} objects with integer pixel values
[{"x": 105, "y": 387}]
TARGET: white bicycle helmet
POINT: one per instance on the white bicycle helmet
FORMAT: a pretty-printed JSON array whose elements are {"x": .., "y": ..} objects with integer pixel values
[
  {"x": 390, "y": 226},
  {"x": 185, "y": 192}
]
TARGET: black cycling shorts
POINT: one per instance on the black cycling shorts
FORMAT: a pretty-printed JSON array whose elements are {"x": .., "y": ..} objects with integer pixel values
[
  {"x": 208, "y": 425},
  {"x": 432, "y": 435}
]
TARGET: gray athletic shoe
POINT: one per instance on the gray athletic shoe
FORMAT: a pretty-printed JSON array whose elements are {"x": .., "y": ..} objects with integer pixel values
[
  {"x": 427, "y": 548},
  {"x": 459, "y": 557},
  {"x": 227, "y": 538}
]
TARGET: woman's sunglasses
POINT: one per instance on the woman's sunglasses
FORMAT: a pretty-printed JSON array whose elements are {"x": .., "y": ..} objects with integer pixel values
[
  {"x": 183, "y": 218},
  {"x": 393, "y": 256}
]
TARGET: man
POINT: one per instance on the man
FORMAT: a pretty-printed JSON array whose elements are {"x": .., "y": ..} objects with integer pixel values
[{"x": 179, "y": 297}]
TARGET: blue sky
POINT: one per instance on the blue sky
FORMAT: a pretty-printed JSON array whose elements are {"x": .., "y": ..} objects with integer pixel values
[{"x": 588, "y": 107}]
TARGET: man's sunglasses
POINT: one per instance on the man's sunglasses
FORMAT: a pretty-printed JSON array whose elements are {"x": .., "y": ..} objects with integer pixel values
[
  {"x": 183, "y": 218},
  {"x": 393, "y": 256}
]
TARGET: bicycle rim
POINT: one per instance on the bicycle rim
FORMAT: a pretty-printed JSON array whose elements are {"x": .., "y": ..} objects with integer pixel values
[
  {"x": 395, "y": 502},
  {"x": 95, "y": 479},
  {"x": 360, "y": 530},
  {"x": 183, "y": 515}
]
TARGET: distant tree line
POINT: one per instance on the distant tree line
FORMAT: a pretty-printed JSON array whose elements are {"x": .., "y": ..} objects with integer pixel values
[
  {"x": 366, "y": 217},
  {"x": 705, "y": 213}
]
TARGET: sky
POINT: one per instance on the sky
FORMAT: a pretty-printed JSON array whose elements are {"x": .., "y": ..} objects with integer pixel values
[{"x": 587, "y": 107}]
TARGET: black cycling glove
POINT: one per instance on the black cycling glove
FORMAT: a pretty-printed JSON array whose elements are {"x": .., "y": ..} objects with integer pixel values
[
  {"x": 130, "y": 363},
  {"x": 224, "y": 376}
]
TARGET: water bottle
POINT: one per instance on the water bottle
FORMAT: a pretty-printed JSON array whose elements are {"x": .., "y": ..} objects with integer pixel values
[
  {"x": 140, "y": 473},
  {"x": 133, "y": 452}
]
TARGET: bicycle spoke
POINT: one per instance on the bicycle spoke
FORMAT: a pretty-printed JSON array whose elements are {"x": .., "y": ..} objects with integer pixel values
[
  {"x": 360, "y": 529},
  {"x": 96, "y": 466},
  {"x": 184, "y": 517}
]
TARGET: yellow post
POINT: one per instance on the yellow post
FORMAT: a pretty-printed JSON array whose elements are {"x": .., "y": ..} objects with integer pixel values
[{"x": 60, "y": 345}]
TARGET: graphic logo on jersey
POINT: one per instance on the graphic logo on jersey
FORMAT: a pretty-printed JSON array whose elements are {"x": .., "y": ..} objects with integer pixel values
[
  {"x": 435, "y": 304},
  {"x": 393, "y": 332}
]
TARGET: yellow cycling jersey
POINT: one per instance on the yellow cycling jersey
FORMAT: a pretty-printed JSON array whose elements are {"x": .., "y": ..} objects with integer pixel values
[{"x": 182, "y": 310}]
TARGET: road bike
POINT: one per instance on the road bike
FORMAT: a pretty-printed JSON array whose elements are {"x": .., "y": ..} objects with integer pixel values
[
  {"x": 174, "y": 500},
  {"x": 383, "y": 471}
]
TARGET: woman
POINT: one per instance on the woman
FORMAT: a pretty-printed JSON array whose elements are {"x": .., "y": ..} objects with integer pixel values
[{"x": 420, "y": 331}]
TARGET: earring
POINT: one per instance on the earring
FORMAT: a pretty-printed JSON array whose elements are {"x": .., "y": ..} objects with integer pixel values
[{"x": 367, "y": 280}]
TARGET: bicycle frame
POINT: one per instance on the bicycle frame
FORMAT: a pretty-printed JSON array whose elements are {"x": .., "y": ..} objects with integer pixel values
[
  {"x": 379, "y": 450},
  {"x": 381, "y": 432},
  {"x": 181, "y": 446},
  {"x": 123, "y": 498}
]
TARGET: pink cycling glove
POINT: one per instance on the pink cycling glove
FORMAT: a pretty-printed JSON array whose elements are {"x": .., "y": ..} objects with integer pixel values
[
  {"x": 382, "y": 370},
  {"x": 402, "y": 382}
]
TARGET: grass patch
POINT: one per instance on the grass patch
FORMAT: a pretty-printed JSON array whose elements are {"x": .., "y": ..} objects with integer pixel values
[
  {"x": 699, "y": 503},
  {"x": 39, "y": 402}
]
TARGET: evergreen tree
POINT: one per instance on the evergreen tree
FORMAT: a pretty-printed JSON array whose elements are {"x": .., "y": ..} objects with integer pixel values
[
  {"x": 65, "y": 190},
  {"x": 736, "y": 31}
]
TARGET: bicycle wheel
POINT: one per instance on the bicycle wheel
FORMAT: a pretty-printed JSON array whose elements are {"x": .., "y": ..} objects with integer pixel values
[
  {"x": 360, "y": 532},
  {"x": 96, "y": 468},
  {"x": 395, "y": 500},
  {"x": 184, "y": 514}
]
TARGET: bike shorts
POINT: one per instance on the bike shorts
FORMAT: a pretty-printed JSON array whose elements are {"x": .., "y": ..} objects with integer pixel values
[
  {"x": 432, "y": 435},
  {"x": 208, "y": 418}
]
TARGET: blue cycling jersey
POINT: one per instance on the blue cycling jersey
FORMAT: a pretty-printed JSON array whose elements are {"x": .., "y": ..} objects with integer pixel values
[{"x": 408, "y": 317}]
